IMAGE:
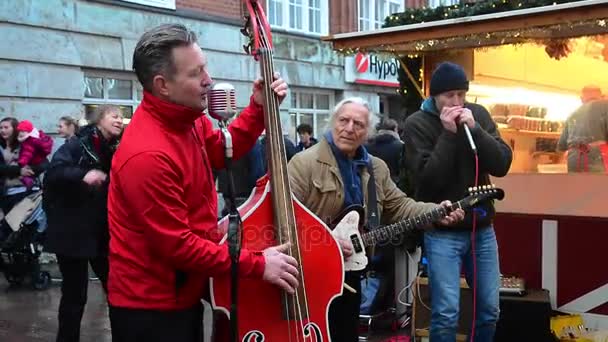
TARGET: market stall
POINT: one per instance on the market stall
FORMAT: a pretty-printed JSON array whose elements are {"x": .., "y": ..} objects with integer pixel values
[{"x": 534, "y": 69}]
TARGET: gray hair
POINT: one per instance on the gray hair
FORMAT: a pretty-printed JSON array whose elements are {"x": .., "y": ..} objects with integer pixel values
[
  {"x": 101, "y": 111},
  {"x": 153, "y": 53},
  {"x": 372, "y": 119}
]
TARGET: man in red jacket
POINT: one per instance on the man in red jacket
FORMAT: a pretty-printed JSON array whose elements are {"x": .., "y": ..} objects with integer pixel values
[{"x": 162, "y": 202}]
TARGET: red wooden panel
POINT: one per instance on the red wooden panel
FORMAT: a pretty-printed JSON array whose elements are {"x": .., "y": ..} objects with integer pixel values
[
  {"x": 581, "y": 257},
  {"x": 519, "y": 246}
]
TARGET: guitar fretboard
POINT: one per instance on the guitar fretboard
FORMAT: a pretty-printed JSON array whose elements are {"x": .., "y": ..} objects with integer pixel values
[{"x": 385, "y": 233}]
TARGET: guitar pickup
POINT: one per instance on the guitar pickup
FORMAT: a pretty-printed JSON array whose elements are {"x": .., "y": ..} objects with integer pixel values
[{"x": 356, "y": 245}]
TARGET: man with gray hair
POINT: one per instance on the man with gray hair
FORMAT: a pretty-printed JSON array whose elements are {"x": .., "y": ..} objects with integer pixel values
[
  {"x": 162, "y": 205},
  {"x": 334, "y": 174}
]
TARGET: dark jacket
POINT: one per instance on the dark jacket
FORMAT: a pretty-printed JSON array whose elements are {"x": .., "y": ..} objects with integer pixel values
[
  {"x": 7, "y": 172},
  {"x": 584, "y": 133},
  {"x": 442, "y": 163},
  {"x": 245, "y": 172},
  {"x": 14, "y": 171},
  {"x": 77, "y": 213},
  {"x": 290, "y": 150},
  {"x": 387, "y": 146},
  {"x": 300, "y": 147}
]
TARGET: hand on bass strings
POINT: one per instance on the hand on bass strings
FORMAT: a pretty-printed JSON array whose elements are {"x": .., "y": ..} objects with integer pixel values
[
  {"x": 279, "y": 86},
  {"x": 281, "y": 269},
  {"x": 454, "y": 217}
]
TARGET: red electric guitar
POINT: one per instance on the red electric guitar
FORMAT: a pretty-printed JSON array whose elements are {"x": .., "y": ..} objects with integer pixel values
[{"x": 272, "y": 216}]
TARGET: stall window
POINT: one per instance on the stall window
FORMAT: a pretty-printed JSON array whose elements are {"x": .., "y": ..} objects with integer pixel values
[
  {"x": 552, "y": 112},
  {"x": 373, "y": 12},
  {"x": 311, "y": 107},
  {"x": 119, "y": 90},
  {"x": 307, "y": 16}
]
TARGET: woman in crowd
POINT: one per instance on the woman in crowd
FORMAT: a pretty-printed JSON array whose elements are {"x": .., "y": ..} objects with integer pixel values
[
  {"x": 11, "y": 187},
  {"x": 67, "y": 127},
  {"x": 75, "y": 200},
  {"x": 12, "y": 190}
]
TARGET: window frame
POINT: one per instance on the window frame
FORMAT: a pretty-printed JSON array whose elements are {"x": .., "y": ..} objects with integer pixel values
[
  {"x": 286, "y": 19},
  {"x": 298, "y": 109},
  {"x": 133, "y": 102},
  {"x": 371, "y": 9},
  {"x": 168, "y": 4},
  {"x": 437, "y": 3}
]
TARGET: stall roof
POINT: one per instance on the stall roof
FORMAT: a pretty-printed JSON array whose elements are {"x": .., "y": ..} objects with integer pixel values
[{"x": 581, "y": 18}]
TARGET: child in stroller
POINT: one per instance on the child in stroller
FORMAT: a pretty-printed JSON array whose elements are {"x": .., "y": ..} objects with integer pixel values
[{"x": 21, "y": 238}]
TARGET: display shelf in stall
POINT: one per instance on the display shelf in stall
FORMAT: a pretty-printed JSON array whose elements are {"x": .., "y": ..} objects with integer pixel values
[{"x": 536, "y": 134}]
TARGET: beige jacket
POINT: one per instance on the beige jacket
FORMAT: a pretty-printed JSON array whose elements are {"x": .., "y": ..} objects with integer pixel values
[{"x": 316, "y": 182}]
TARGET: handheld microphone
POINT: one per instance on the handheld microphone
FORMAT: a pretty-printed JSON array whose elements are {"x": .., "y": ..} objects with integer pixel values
[
  {"x": 222, "y": 101},
  {"x": 470, "y": 138}
]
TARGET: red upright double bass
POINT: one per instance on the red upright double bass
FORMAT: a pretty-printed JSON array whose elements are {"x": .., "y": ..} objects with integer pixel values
[{"x": 272, "y": 216}]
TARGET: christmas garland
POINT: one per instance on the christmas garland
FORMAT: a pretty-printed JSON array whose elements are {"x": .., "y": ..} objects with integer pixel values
[{"x": 421, "y": 15}]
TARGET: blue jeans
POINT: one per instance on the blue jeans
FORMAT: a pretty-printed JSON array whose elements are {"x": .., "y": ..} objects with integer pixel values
[{"x": 446, "y": 251}]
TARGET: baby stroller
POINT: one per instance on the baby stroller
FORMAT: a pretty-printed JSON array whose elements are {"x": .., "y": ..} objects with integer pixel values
[{"x": 21, "y": 238}]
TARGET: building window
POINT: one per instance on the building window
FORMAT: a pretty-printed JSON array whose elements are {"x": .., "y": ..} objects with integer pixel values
[
  {"x": 373, "y": 12},
  {"x": 437, "y": 3},
  {"x": 311, "y": 107},
  {"x": 122, "y": 91},
  {"x": 308, "y": 16},
  {"x": 170, "y": 4}
]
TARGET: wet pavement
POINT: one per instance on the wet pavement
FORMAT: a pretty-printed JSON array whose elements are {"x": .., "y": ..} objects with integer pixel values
[{"x": 28, "y": 315}]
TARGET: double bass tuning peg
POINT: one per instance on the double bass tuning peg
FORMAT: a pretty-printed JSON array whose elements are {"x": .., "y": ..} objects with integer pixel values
[
  {"x": 247, "y": 48},
  {"x": 245, "y": 29}
]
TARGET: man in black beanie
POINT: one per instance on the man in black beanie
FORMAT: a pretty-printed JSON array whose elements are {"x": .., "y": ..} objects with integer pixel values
[{"x": 442, "y": 164}]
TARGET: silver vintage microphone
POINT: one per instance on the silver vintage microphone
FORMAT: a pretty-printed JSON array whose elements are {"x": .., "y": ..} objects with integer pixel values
[
  {"x": 470, "y": 138},
  {"x": 222, "y": 101}
]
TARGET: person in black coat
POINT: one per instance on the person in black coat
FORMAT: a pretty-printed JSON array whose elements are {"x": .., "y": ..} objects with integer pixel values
[
  {"x": 306, "y": 139},
  {"x": 387, "y": 146},
  {"x": 75, "y": 200}
]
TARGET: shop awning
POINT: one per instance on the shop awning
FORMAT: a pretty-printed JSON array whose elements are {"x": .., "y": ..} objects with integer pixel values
[{"x": 568, "y": 20}]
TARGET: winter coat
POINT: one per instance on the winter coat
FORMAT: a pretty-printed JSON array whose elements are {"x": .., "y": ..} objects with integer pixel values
[
  {"x": 35, "y": 150},
  {"x": 164, "y": 237},
  {"x": 77, "y": 212},
  {"x": 443, "y": 165},
  {"x": 316, "y": 181},
  {"x": 387, "y": 146}
]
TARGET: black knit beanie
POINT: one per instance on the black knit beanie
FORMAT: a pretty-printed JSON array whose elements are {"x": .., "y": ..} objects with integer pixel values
[{"x": 448, "y": 76}]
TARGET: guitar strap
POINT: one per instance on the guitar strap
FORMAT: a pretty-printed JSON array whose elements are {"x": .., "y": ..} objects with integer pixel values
[{"x": 373, "y": 220}]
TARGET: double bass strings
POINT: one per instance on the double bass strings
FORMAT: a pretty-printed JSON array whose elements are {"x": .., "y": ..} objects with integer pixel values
[{"x": 276, "y": 139}]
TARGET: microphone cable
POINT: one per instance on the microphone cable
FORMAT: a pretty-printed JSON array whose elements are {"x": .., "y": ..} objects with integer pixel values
[{"x": 473, "y": 239}]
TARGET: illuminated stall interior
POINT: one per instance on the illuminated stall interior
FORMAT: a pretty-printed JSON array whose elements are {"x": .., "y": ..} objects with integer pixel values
[{"x": 530, "y": 94}]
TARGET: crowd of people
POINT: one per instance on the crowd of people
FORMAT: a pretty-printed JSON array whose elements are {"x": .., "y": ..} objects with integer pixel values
[{"x": 143, "y": 213}]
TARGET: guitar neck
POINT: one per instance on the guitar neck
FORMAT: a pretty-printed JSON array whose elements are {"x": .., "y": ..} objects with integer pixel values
[{"x": 385, "y": 233}]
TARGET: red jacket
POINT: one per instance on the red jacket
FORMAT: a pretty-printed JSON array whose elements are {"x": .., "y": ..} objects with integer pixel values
[
  {"x": 34, "y": 151},
  {"x": 162, "y": 206}
]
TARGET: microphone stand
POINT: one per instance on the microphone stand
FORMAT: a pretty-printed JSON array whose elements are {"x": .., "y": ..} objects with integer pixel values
[{"x": 234, "y": 232}]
